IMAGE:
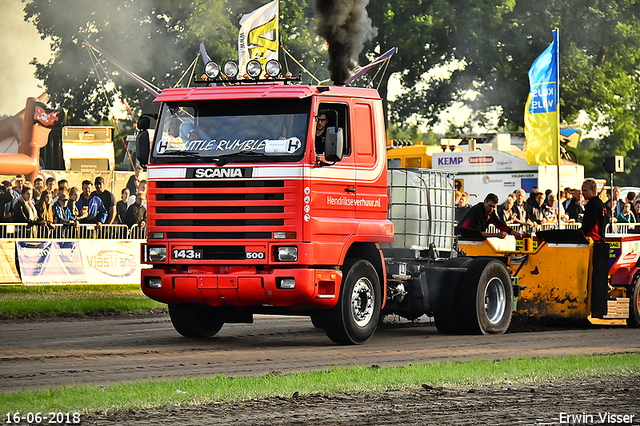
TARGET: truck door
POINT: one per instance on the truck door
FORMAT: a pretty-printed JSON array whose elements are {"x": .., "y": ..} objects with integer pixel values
[
  {"x": 371, "y": 177},
  {"x": 333, "y": 187}
]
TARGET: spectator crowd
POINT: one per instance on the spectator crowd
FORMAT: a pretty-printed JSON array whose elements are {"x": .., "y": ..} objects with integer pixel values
[
  {"x": 43, "y": 204},
  {"x": 528, "y": 212}
]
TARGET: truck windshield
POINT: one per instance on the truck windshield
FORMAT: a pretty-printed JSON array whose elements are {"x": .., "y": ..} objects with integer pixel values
[{"x": 234, "y": 130}]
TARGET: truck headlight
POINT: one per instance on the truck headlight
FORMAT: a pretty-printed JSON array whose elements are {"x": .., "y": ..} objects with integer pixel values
[
  {"x": 286, "y": 283},
  {"x": 286, "y": 254},
  {"x": 153, "y": 282},
  {"x": 156, "y": 253}
]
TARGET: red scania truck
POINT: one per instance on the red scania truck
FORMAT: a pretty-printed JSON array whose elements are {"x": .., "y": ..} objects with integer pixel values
[{"x": 249, "y": 214}]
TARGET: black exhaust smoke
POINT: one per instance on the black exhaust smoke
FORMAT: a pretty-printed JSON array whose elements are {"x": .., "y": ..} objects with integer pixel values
[{"x": 345, "y": 26}]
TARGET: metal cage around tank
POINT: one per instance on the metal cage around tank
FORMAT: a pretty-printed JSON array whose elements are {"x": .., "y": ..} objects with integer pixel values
[{"x": 421, "y": 207}]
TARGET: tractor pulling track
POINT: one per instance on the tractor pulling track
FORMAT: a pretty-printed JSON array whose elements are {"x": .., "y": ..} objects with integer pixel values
[{"x": 39, "y": 354}]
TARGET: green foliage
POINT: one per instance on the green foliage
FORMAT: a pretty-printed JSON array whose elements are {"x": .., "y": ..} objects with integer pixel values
[
  {"x": 156, "y": 39},
  {"x": 91, "y": 398},
  {"x": 447, "y": 49},
  {"x": 406, "y": 132}
]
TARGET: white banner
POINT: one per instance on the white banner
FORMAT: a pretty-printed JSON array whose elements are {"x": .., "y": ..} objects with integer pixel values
[
  {"x": 258, "y": 37},
  {"x": 111, "y": 262}
]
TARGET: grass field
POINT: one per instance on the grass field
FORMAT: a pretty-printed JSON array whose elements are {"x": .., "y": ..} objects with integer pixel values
[
  {"x": 32, "y": 301},
  {"x": 192, "y": 391}
]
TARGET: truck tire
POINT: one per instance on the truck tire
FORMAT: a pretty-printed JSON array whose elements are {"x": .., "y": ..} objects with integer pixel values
[
  {"x": 634, "y": 304},
  {"x": 354, "y": 319},
  {"x": 318, "y": 320},
  {"x": 445, "y": 310},
  {"x": 486, "y": 298},
  {"x": 196, "y": 321}
]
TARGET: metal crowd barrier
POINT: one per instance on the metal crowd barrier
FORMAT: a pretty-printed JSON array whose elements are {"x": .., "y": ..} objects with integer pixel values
[
  {"x": 541, "y": 227},
  {"x": 623, "y": 228},
  {"x": 61, "y": 232}
]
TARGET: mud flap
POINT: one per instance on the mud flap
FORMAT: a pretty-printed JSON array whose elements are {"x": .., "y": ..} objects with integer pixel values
[{"x": 600, "y": 280}]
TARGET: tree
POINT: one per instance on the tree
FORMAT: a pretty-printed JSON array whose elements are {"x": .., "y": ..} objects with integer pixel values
[
  {"x": 143, "y": 36},
  {"x": 431, "y": 37},
  {"x": 156, "y": 39}
]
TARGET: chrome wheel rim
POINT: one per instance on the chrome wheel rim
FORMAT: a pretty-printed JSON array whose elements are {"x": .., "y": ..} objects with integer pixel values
[
  {"x": 495, "y": 300},
  {"x": 362, "y": 301}
]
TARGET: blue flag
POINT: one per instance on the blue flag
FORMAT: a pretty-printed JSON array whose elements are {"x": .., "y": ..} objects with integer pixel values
[{"x": 541, "y": 115}]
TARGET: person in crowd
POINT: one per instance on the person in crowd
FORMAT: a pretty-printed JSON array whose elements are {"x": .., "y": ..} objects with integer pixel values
[
  {"x": 626, "y": 215},
  {"x": 63, "y": 186},
  {"x": 142, "y": 187},
  {"x": 321, "y": 132},
  {"x": 594, "y": 221},
  {"x": 121, "y": 206},
  {"x": 74, "y": 195},
  {"x": 108, "y": 199},
  {"x": 565, "y": 198},
  {"x": 535, "y": 208},
  {"x": 519, "y": 208},
  {"x": 483, "y": 214},
  {"x": 96, "y": 212},
  {"x": 575, "y": 209},
  {"x": 137, "y": 213},
  {"x": 18, "y": 182},
  {"x": 462, "y": 207},
  {"x": 631, "y": 196},
  {"x": 38, "y": 187},
  {"x": 617, "y": 204},
  {"x": 134, "y": 181},
  {"x": 51, "y": 186},
  {"x": 44, "y": 208},
  {"x": 63, "y": 214},
  {"x": 636, "y": 209},
  {"x": 505, "y": 210},
  {"x": 25, "y": 210},
  {"x": 549, "y": 210},
  {"x": 6, "y": 196},
  {"x": 7, "y": 212}
]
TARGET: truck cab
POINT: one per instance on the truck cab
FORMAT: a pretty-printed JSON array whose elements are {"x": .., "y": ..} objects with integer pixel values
[{"x": 245, "y": 216}]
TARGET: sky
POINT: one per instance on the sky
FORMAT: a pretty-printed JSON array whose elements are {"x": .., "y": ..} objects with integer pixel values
[{"x": 20, "y": 44}]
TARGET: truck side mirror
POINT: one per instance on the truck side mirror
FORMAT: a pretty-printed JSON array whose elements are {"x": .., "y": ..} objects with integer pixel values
[
  {"x": 334, "y": 143},
  {"x": 142, "y": 140}
]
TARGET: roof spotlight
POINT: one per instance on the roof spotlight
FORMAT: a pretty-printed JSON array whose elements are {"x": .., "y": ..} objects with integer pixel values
[
  {"x": 273, "y": 68},
  {"x": 230, "y": 69},
  {"x": 254, "y": 68},
  {"x": 212, "y": 70}
]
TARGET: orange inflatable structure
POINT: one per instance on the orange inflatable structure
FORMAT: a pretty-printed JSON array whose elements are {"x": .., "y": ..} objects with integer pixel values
[{"x": 22, "y": 136}]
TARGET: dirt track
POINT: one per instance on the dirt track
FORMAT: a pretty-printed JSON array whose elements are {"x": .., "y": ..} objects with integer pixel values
[
  {"x": 531, "y": 404},
  {"x": 103, "y": 351}
]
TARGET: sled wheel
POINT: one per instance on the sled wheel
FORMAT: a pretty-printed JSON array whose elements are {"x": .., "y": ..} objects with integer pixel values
[{"x": 487, "y": 298}]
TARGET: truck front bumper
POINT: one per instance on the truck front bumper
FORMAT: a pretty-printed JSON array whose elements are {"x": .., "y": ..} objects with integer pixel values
[{"x": 289, "y": 288}]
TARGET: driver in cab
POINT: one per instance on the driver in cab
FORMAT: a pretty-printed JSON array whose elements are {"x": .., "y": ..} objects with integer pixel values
[
  {"x": 321, "y": 132},
  {"x": 484, "y": 214}
]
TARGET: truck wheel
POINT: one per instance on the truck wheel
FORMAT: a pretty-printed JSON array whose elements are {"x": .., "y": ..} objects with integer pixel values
[
  {"x": 486, "y": 298},
  {"x": 318, "y": 320},
  {"x": 445, "y": 309},
  {"x": 198, "y": 321},
  {"x": 634, "y": 304},
  {"x": 355, "y": 318}
]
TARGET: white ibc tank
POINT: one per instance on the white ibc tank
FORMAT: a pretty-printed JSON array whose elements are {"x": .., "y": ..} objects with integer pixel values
[{"x": 421, "y": 208}]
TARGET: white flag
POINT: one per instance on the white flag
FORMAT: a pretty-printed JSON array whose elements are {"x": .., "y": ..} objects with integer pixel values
[{"x": 258, "y": 37}]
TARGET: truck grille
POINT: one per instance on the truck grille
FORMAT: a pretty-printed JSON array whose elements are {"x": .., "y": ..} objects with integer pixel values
[{"x": 224, "y": 209}]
